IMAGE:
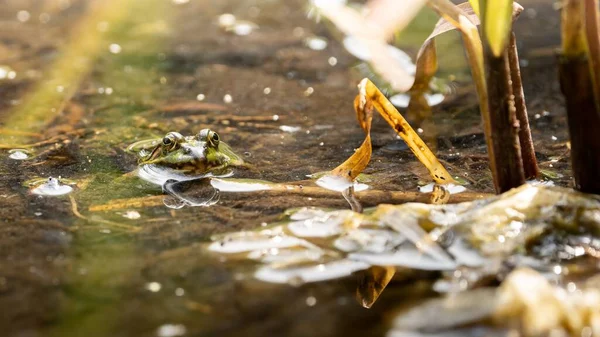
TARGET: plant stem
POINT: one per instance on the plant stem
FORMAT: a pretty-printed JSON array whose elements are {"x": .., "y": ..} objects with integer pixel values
[
  {"x": 577, "y": 84},
  {"x": 584, "y": 122},
  {"x": 530, "y": 167},
  {"x": 504, "y": 123},
  {"x": 592, "y": 28}
]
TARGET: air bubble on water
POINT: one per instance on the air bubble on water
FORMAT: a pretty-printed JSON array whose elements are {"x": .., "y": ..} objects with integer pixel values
[
  {"x": 227, "y": 98},
  {"x": 311, "y": 301},
  {"x": 179, "y": 292},
  {"x": 108, "y": 91},
  {"x": 23, "y": 16},
  {"x": 52, "y": 187},
  {"x": 290, "y": 129},
  {"x": 226, "y": 20},
  {"x": 242, "y": 28},
  {"x": 266, "y": 90},
  {"x": 19, "y": 154},
  {"x": 200, "y": 97},
  {"x": 171, "y": 330},
  {"x": 153, "y": 286},
  {"x": 114, "y": 48},
  {"x": 316, "y": 42},
  {"x": 275, "y": 117},
  {"x": 180, "y": 2},
  {"x": 332, "y": 61},
  {"x": 7, "y": 73},
  {"x": 309, "y": 91},
  {"x": 557, "y": 269}
]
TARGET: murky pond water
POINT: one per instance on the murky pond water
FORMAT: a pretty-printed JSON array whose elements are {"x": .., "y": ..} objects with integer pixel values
[{"x": 84, "y": 79}]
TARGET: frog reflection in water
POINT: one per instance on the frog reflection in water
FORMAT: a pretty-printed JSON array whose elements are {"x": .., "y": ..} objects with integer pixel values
[{"x": 176, "y": 158}]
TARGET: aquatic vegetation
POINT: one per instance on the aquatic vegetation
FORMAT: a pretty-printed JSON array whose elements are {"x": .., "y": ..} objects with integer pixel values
[
  {"x": 502, "y": 103},
  {"x": 418, "y": 236},
  {"x": 526, "y": 302}
]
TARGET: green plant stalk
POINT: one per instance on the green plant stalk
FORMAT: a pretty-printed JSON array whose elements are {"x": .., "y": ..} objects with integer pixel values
[
  {"x": 474, "y": 51},
  {"x": 577, "y": 85},
  {"x": 530, "y": 166},
  {"x": 497, "y": 24}
]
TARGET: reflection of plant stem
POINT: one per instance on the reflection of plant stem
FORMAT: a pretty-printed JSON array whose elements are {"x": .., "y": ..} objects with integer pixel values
[
  {"x": 370, "y": 197},
  {"x": 350, "y": 197},
  {"x": 111, "y": 224}
]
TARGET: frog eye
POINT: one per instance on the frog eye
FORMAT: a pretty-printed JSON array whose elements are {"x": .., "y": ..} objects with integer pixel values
[
  {"x": 214, "y": 139},
  {"x": 210, "y": 137},
  {"x": 172, "y": 140}
]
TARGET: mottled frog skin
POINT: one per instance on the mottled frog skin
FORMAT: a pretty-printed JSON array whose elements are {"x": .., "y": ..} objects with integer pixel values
[{"x": 203, "y": 154}]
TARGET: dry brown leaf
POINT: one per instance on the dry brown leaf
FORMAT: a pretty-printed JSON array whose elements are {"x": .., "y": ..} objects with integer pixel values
[
  {"x": 372, "y": 283},
  {"x": 370, "y": 97}
]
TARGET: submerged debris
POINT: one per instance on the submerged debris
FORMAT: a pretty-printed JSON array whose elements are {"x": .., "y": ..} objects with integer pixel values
[
  {"x": 480, "y": 236},
  {"x": 525, "y": 301}
]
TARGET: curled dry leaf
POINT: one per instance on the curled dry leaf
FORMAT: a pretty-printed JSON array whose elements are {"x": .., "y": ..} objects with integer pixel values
[
  {"x": 370, "y": 97},
  {"x": 371, "y": 284}
]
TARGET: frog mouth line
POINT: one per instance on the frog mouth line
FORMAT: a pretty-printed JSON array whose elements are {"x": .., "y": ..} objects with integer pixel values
[{"x": 158, "y": 175}]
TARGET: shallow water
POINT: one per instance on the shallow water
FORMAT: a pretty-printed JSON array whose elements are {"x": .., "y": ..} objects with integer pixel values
[{"x": 87, "y": 86}]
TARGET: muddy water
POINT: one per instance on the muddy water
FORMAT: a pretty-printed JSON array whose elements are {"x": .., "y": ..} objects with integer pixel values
[{"x": 87, "y": 85}]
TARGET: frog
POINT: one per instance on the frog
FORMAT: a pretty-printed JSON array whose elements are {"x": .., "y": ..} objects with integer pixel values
[{"x": 183, "y": 158}]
